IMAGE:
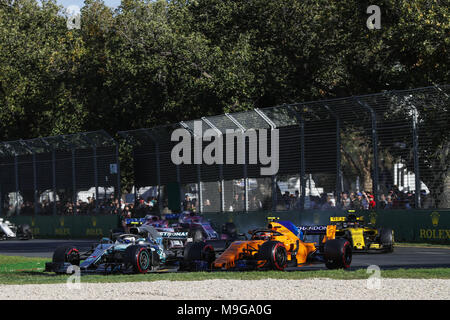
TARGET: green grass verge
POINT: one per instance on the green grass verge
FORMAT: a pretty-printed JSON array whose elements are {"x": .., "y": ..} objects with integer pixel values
[
  {"x": 423, "y": 245},
  {"x": 21, "y": 270}
]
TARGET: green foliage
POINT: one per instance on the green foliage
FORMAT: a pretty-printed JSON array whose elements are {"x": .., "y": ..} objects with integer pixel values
[{"x": 156, "y": 62}]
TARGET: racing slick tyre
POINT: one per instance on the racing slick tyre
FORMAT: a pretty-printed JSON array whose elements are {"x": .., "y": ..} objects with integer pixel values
[
  {"x": 24, "y": 232},
  {"x": 139, "y": 258},
  {"x": 274, "y": 253},
  {"x": 198, "y": 251},
  {"x": 337, "y": 254},
  {"x": 66, "y": 254},
  {"x": 387, "y": 239}
]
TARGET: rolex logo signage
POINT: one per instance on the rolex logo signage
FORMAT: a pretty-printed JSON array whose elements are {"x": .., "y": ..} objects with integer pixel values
[
  {"x": 438, "y": 231},
  {"x": 435, "y": 218}
]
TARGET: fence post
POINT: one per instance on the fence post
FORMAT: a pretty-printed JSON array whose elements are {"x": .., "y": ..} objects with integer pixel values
[
  {"x": 36, "y": 199},
  {"x": 338, "y": 156},
  {"x": 94, "y": 150},
  {"x": 220, "y": 165},
  {"x": 74, "y": 184},
  {"x": 274, "y": 193},
  {"x": 177, "y": 168},
  {"x": 158, "y": 169},
  {"x": 54, "y": 180},
  {"x": 245, "y": 173},
  {"x": 158, "y": 177},
  {"x": 16, "y": 174},
  {"x": 302, "y": 157},
  {"x": 375, "y": 177},
  {"x": 119, "y": 191},
  {"x": 417, "y": 195},
  {"x": 200, "y": 188},
  {"x": 273, "y": 177}
]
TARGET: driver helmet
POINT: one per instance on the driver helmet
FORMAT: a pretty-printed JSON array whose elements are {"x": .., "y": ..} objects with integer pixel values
[{"x": 128, "y": 240}]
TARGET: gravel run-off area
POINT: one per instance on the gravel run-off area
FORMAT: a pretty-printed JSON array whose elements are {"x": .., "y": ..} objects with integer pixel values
[{"x": 268, "y": 289}]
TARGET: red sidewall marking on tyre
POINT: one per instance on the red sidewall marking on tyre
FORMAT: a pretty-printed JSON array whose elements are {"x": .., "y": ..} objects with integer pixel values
[
  {"x": 138, "y": 264},
  {"x": 343, "y": 254},
  {"x": 71, "y": 250},
  {"x": 274, "y": 258}
]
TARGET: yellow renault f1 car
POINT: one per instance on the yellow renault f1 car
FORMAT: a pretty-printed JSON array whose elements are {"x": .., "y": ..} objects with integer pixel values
[
  {"x": 276, "y": 247},
  {"x": 363, "y": 238}
]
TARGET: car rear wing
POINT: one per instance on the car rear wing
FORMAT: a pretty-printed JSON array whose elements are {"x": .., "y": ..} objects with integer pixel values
[
  {"x": 345, "y": 219},
  {"x": 328, "y": 231},
  {"x": 313, "y": 230},
  {"x": 135, "y": 221}
]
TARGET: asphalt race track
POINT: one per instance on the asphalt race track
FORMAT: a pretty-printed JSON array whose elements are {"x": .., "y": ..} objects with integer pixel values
[
  {"x": 402, "y": 257},
  {"x": 40, "y": 247}
]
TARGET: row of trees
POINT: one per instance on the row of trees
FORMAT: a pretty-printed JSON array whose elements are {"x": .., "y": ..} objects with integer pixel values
[{"x": 148, "y": 63}]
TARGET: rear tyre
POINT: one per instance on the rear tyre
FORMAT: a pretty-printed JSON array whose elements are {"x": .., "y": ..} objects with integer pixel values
[
  {"x": 139, "y": 258},
  {"x": 337, "y": 254},
  {"x": 24, "y": 232},
  {"x": 274, "y": 253},
  {"x": 66, "y": 254},
  {"x": 387, "y": 239}
]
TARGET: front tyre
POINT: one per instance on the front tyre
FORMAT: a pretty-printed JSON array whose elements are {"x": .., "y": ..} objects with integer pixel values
[
  {"x": 387, "y": 239},
  {"x": 338, "y": 254},
  {"x": 274, "y": 253},
  {"x": 66, "y": 254},
  {"x": 139, "y": 258}
]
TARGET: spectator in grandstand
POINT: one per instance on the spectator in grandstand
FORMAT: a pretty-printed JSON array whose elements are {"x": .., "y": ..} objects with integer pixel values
[
  {"x": 297, "y": 199},
  {"x": 187, "y": 204},
  {"x": 371, "y": 199},
  {"x": 357, "y": 202},
  {"x": 389, "y": 203},
  {"x": 314, "y": 202},
  {"x": 149, "y": 203},
  {"x": 383, "y": 201},
  {"x": 365, "y": 200},
  {"x": 286, "y": 200},
  {"x": 255, "y": 204},
  {"x": 329, "y": 204},
  {"x": 193, "y": 206},
  {"x": 125, "y": 215},
  {"x": 409, "y": 201},
  {"x": 345, "y": 201},
  {"x": 207, "y": 205}
]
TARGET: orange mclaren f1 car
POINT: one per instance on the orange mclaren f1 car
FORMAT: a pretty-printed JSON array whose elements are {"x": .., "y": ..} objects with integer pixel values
[{"x": 276, "y": 247}]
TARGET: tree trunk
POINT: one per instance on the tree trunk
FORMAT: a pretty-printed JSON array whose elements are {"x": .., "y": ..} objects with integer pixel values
[
  {"x": 443, "y": 197},
  {"x": 367, "y": 180}
]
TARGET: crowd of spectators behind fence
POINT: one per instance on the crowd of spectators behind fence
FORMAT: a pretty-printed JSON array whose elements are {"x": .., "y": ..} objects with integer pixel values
[
  {"x": 359, "y": 200},
  {"x": 109, "y": 206}
]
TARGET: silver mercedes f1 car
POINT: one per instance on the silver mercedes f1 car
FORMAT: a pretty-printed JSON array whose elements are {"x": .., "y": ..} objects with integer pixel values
[{"x": 147, "y": 250}]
